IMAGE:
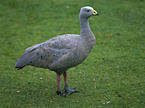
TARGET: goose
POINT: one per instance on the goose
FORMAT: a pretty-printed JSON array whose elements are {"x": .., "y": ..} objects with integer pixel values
[{"x": 62, "y": 52}]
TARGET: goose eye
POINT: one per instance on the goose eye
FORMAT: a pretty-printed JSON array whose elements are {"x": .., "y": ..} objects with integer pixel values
[{"x": 88, "y": 10}]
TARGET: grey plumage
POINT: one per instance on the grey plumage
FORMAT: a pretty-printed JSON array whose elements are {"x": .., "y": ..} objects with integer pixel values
[{"x": 62, "y": 52}]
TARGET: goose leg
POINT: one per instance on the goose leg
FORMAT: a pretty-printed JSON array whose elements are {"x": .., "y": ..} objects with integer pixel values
[
  {"x": 66, "y": 88},
  {"x": 59, "y": 86}
]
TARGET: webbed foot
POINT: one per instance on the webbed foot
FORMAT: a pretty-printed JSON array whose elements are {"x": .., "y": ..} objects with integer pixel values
[
  {"x": 61, "y": 94},
  {"x": 67, "y": 92},
  {"x": 70, "y": 91}
]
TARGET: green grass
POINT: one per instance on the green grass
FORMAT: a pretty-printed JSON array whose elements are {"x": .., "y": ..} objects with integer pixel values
[{"x": 114, "y": 71}]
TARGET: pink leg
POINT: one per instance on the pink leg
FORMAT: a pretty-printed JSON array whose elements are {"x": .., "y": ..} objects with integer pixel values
[
  {"x": 58, "y": 83},
  {"x": 66, "y": 88},
  {"x": 65, "y": 78}
]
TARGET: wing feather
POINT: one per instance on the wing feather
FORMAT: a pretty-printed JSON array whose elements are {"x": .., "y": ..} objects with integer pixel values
[{"x": 48, "y": 53}]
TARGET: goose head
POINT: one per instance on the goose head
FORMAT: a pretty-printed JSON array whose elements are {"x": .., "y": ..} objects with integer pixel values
[{"x": 87, "y": 11}]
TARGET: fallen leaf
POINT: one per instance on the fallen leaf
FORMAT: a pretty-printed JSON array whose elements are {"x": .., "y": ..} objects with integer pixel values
[
  {"x": 117, "y": 67},
  {"x": 108, "y": 102},
  {"x": 109, "y": 35},
  {"x": 67, "y": 7}
]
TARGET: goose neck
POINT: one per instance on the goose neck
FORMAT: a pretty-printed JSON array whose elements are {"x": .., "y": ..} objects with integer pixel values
[{"x": 85, "y": 28}]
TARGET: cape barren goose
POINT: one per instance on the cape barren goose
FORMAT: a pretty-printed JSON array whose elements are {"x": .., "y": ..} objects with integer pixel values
[{"x": 62, "y": 52}]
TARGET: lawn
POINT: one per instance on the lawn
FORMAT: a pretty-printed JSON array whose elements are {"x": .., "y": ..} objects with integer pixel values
[{"x": 113, "y": 75}]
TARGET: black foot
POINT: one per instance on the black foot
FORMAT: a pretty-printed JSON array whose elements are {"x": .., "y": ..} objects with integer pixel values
[
  {"x": 67, "y": 92},
  {"x": 61, "y": 94},
  {"x": 58, "y": 92},
  {"x": 71, "y": 91}
]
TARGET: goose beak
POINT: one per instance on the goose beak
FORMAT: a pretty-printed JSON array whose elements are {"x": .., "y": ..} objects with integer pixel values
[{"x": 94, "y": 12}]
